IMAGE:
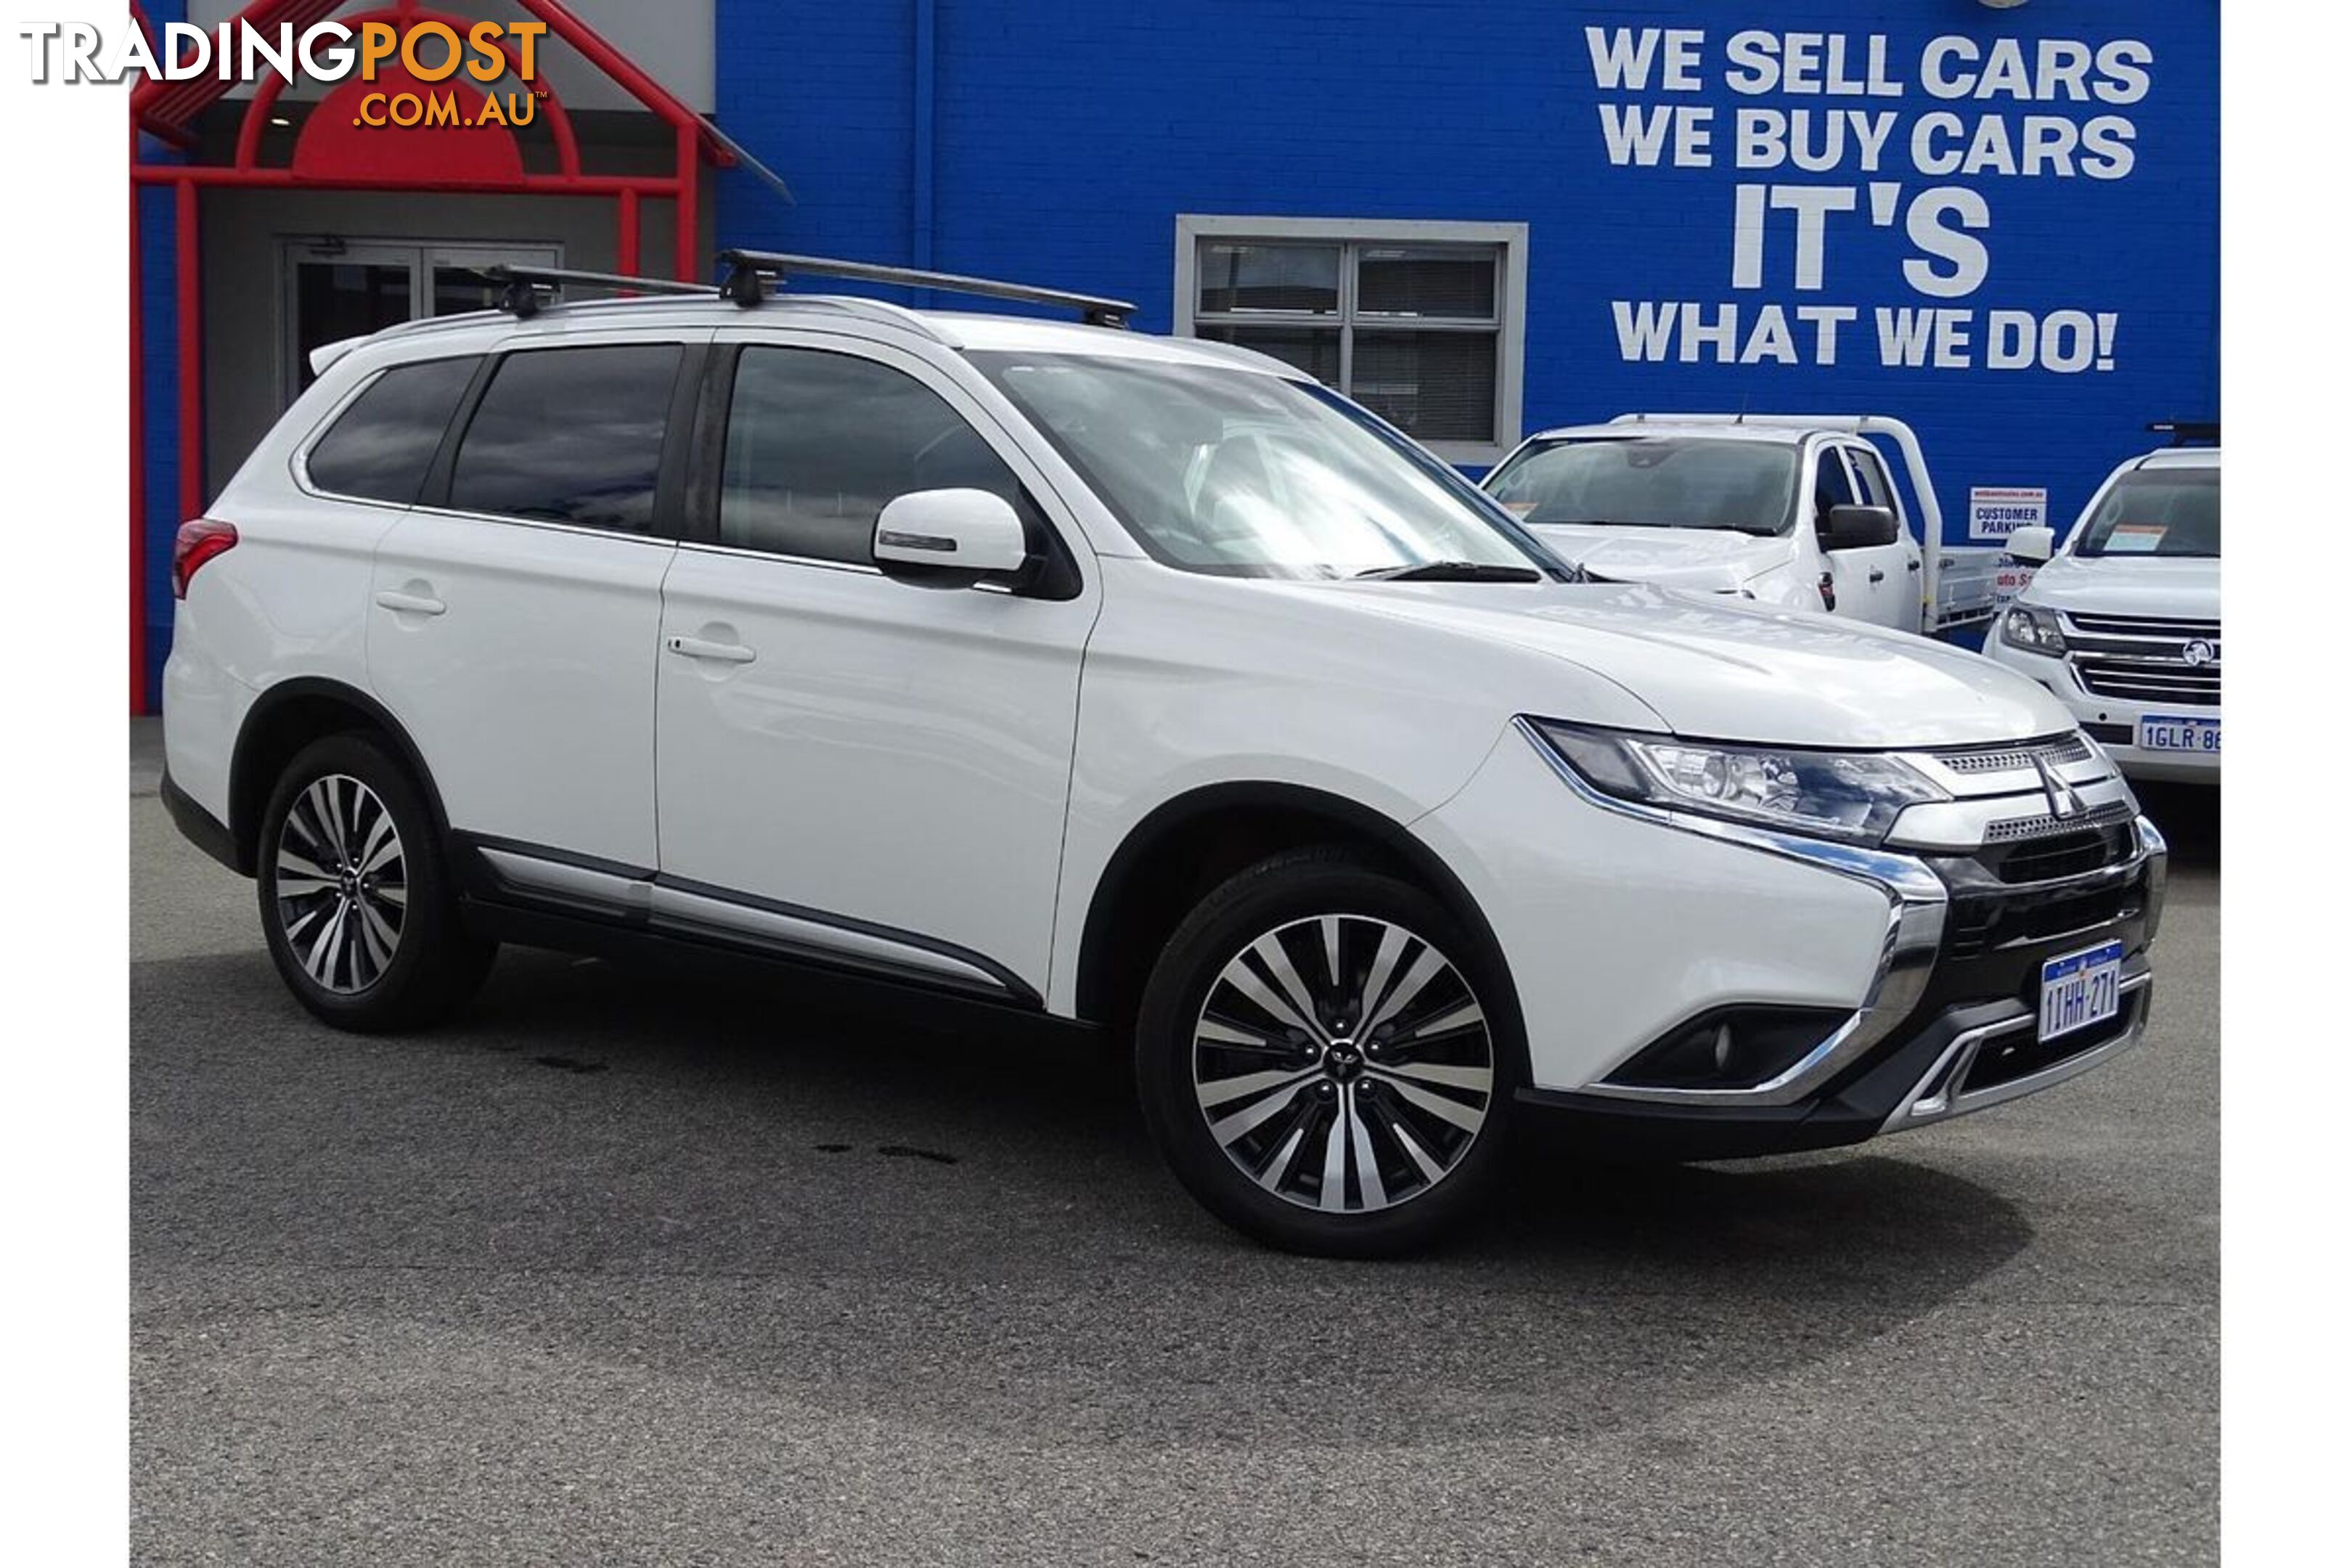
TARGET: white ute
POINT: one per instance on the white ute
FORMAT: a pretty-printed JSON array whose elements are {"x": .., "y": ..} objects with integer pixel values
[
  {"x": 1144, "y": 682},
  {"x": 2123, "y": 623},
  {"x": 1796, "y": 511}
]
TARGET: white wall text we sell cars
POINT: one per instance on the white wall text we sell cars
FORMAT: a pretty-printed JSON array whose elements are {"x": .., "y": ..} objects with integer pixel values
[{"x": 1923, "y": 140}]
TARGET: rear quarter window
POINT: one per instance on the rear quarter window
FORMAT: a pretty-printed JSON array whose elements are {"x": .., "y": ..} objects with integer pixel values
[{"x": 379, "y": 448}]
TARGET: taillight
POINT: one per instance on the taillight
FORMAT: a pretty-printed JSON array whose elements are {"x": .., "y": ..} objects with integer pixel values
[{"x": 200, "y": 538}]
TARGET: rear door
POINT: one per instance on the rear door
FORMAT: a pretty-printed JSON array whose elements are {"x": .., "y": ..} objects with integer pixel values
[
  {"x": 515, "y": 610},
  {"x": 863, "y": 768}
]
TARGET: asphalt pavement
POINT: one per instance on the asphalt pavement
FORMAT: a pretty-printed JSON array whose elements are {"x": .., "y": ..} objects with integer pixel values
[{"x": 654, "y": 1263}]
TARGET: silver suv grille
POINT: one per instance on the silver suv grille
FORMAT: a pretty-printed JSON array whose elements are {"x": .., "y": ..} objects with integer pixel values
[
  {"x": 2058, "y": 752},
  {"x": 2146, "y": 659},
  {"x": 2011, "y": 829}
]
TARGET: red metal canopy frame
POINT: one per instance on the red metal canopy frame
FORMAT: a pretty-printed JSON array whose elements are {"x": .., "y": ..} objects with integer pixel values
[{"x": 330, "y": 154}]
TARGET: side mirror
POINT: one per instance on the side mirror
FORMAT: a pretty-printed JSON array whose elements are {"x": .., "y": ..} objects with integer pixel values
[
  {"x": 950, "y": 538},
  {"x": 2035, "y": 543},
  {"x": 1858, "y": 527}
]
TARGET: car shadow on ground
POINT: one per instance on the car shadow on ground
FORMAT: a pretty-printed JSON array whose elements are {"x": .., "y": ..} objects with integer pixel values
[{"x": 829, "y": 1178}]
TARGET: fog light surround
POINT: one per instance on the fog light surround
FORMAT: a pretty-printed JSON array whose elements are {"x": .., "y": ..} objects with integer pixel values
[{"x": 1729, "y": 1049}]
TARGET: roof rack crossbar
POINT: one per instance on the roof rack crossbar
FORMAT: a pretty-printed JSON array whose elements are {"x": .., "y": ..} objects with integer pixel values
[
  {"x": 524, "y": 286},
  {"x": 2184, "y": 431},
  {"x": 749, "y": 270}
]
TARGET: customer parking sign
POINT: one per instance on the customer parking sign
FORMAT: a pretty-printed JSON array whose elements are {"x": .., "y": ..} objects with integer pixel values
[{"x": 1996, "y": 511}]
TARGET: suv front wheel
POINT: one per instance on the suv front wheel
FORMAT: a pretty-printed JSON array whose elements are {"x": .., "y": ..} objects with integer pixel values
[
  {"x": 1321, "y": 1059},
  {"x": 355, "y": 895}
]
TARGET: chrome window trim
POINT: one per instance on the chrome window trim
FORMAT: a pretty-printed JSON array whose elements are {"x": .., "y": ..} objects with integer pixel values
[
  {"x": 711, "y": 547},
  {"x": 545, "y": 524}
]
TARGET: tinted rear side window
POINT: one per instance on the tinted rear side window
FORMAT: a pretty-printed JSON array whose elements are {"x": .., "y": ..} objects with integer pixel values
[
  {"x": 818, "y": 443},
  {"x": 570, "y": 436},
  {"x": 385, "y": 440}
]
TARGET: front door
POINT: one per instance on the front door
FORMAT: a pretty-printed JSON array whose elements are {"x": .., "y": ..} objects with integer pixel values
[
  {"x": 867, "y": 769},
  {"x": 1868, "y": 582},
  {"x": 338, "y": 288},
  {"x": 1897, "y": 600}
]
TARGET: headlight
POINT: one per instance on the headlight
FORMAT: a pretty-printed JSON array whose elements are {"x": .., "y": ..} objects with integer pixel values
[
  {"x": 2033, "y": 628},
  {"x": 1852, "y": 796}
]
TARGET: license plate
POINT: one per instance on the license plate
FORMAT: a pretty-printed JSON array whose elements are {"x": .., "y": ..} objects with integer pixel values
[
  {"x": 2081, "y": 989},
  {"x": 2166, "y": 732}
]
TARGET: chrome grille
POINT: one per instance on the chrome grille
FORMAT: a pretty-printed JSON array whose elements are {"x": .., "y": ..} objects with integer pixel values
[
  {"x": 2162, "y": 628},
  {"x": 2146, "y": 658},
  {"x": 2010, "y": 758},
  {"x": 2045, "y": 825}
]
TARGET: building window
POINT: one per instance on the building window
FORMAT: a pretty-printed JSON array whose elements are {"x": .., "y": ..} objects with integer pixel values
[{"x": 1423, "y": 322}]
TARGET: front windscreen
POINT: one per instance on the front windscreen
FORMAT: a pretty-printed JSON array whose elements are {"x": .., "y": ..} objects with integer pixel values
[
  {"x": 1652, "y": 481},
  {"x": 2157, "y": 512},
  {"x": 1245, "y": 474}
]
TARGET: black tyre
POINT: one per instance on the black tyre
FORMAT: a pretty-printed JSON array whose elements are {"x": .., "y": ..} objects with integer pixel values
[
  {"x": 355, "y": 892},
  {"x": 1325, "y": 1056}
]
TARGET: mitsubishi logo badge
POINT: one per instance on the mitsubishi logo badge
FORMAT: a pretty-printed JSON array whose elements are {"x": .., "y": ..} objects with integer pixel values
[{"x": 2065, "y": 803}]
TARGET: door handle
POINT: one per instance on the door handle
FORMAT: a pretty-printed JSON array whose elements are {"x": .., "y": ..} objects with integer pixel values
[
  {"x": 406, "y": 603},
  {"x": 1911, "y": 565},
  {"x": 718, "y": 652},
  {"x": 1878, "y": 575}
]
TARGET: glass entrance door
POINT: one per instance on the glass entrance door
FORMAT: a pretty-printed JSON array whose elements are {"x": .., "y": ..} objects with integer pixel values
[{"x": 338, "y": 288}]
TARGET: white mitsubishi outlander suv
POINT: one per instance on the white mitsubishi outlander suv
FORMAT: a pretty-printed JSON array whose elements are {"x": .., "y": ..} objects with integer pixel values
[{"x": 1132, "y": 680}]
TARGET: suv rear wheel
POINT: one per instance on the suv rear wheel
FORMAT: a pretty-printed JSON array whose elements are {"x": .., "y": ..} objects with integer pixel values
[
  {"x": 355, "y": 895},
  {"x": 1320, "y": 1059}
]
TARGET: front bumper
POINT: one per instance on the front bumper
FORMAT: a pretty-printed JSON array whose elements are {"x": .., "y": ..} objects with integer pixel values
[
  {"x": 2113, "y": 721},
  {"x": 1946, "y": 1060},
  {"x": 1917, "y": 972},
  {"x": 1965, "y": 1039}
]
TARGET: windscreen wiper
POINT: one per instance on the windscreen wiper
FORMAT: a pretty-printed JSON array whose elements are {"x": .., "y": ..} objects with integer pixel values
[{"x": 1453, "y": 572}]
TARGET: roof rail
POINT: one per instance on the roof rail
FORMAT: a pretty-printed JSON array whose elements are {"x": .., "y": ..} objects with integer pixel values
[
  {"x": 525, "y": 287},
  {"x": 749, "y": 270},
  {"x": 2184, "y": 431}
]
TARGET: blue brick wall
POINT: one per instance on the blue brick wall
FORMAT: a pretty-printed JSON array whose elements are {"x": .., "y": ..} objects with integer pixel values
[
  {"x": 1069, "y": 134},
  {"x": 159, "y": 386}
]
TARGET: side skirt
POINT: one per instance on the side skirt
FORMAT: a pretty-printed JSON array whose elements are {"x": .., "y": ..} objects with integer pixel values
[{"x": 548, "y": 897}]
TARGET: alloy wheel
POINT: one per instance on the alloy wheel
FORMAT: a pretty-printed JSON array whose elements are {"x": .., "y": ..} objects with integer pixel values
[
  {"x": 341, "y": 884},
  {"x": 1343, "y": 1064}
]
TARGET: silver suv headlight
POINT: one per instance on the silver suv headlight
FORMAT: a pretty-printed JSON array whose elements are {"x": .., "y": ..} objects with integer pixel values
[
  {"x": 2032, "y": 628},
  {"x": 1851, "y": 796}
]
